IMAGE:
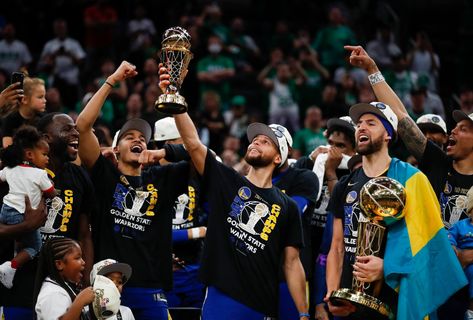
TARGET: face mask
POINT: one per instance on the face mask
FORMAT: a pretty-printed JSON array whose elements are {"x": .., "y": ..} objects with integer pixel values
[{"x": 214, "y": 48}]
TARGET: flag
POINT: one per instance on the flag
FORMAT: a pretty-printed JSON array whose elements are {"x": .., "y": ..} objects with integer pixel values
[{"x": 419, "y": 262}]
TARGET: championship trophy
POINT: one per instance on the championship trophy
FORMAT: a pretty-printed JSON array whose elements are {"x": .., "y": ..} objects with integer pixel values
[
  {"x": 382, "y": 200},
  {"x": 175, "y": 56}
]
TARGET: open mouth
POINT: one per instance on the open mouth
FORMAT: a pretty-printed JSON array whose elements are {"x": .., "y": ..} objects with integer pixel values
[
  {"x": 74, "y": 144},
  {"x": 363, "y": 138},
  {"x": 136, "y": 149},
  {"x": 451, "y": 142}
]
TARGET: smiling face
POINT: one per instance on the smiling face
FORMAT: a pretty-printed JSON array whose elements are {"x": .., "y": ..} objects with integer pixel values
[
  {"x": 129, "y": 147},
  {"x": 72, "y": 265},
  {"x": 63, "y": 137},
  {"x": 262, "y": 152},
  {"x": 370, "y": 135},
  {"x": 460, "y": 141}
]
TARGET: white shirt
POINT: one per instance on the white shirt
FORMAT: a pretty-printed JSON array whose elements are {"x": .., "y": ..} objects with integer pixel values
[
  {"x": 13, "y": 55},
  {"x": 64, "y": 65},
  {"x": 53, "y": 301},
  {"x": 25, "y": 180},
  {"x": 126, "y": 314}
]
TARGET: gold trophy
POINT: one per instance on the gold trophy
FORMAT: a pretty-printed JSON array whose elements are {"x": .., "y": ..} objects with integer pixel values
[
  {"x": 175, "y": 56},
  {"x": 382, "y": 200}
]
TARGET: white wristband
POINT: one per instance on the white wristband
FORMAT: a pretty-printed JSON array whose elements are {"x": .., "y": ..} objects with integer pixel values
[
  {"x": 375, "y": 78},
  {"x": 195, "y": 232}
]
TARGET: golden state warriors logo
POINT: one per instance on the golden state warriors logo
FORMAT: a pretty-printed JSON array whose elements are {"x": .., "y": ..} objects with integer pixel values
[
  {"x": 244, "y": 193},
  {"x": 447, "y": 189},
  {"x": 351, "y": 197}
]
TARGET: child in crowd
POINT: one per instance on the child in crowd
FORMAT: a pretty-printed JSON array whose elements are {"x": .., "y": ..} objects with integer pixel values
[
  {"x": 59, "y": 272},
  {"x": 31, "y": 105},
  {"x": 119, "y": 273},
  {"x": 461, "y": 237},
  {"x": 24, "y": 162}
]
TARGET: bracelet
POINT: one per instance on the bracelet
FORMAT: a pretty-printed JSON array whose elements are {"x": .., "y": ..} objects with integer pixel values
[
  {"x": 331, "y": 178},
  {"x": 375, "y": 78},
  {"x": 106, "y": 82},
  {"x": 304, "y": 314}
]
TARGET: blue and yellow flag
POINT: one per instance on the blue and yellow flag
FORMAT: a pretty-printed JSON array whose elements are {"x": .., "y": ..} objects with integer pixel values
[{"x": 419, "y": 262}]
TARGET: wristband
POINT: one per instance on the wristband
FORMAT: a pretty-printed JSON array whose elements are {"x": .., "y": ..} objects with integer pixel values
[
  {"x": 375, "y": 78},
  {"x": 106, "y": 82},
  {"x": 304, "y": 314},
  {"x": 195, "y": 233}
]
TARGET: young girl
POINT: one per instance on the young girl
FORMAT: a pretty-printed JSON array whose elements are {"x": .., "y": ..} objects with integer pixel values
[
  {"x": 59, "y": 271},
  {"x": 32, "y": 104},
  {"x": 24, "y": 161}
]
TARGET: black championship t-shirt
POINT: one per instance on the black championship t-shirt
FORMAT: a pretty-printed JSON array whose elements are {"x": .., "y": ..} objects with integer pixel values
[
  {"x": 296, "y": 182},
  {"x": 188, "y": 213},
  {"x": 450, "y": 186},
  {"x": 134, "y": 220},
  {"x": 248, "y": 229},
  {"x": 75, "y": 197},
  {"x": 318, "y": 215},
  {"x": 344, "y": 204}
]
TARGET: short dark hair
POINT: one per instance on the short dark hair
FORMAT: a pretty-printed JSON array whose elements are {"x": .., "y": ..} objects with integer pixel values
[{"x": 349, "y": 134}]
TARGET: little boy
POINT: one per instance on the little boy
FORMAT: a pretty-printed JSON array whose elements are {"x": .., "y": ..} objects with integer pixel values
[
  {"x": 461, "y": 237},
  {"x": 119, "y": 273}
]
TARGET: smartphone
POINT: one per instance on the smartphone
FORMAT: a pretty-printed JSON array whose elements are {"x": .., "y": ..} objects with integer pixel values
[{"x": 18, "y": 77}]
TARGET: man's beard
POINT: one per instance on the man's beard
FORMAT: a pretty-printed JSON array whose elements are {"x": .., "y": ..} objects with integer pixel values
[
  {"x": 59, "y": 150},
  {"x": 257, "y": 161},
  {"x": 372, "y": 147}
]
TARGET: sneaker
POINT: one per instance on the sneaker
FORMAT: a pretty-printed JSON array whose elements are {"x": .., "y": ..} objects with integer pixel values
[{"x": 7, "y": 273}]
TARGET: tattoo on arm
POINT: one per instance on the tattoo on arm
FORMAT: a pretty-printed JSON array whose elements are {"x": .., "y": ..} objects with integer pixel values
[{"x": 413, "y": 138}]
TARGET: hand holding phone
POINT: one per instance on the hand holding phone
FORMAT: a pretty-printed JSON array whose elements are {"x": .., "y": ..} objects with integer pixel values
[{"x": 17, "y": 77}]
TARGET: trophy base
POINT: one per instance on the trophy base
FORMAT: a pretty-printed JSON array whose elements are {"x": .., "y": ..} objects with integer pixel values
[
  {"x": 367, "y": 307},
  {"x": 171, "y": 103}
]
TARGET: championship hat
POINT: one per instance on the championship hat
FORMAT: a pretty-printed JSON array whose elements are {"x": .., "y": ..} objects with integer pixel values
[
  {"x": 275, "y": 133},
  {"x": 432, "y": 122},
  {"x": 165, "y": 129}
]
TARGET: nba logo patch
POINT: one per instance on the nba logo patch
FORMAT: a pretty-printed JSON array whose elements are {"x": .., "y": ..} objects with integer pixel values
[
  {"x": 351, "y": 197},
  {"x": 244, "y": 193}
]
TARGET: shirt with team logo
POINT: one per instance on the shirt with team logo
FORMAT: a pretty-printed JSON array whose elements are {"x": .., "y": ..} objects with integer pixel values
[
  {"x": 449, "y": 185},
  {"x": 75, "y": 197},
  {"x": 188, "y": 213},
  {"x": 134, "y": 219},
  {"x": 344, "y": 204},
  {"x": 248, "y": 229}
]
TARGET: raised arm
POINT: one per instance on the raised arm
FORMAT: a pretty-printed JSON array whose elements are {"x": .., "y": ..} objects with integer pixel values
[
  {"x": 187, "y": 130},
  {"x": 89, "y": 148},
  {"x": 413, "y": 138}
]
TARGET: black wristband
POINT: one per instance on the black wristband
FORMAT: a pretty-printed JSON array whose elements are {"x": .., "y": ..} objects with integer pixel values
[{"x": 175, "y": 152}]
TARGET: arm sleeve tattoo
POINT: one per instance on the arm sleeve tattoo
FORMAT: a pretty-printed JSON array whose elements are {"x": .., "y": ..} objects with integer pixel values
[{"x": 413, "y": 138}]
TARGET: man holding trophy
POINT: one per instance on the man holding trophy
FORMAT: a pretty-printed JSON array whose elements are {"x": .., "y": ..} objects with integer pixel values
[
  {"x": 419, "y": 270},
  {"x": 240, "y": 264}
]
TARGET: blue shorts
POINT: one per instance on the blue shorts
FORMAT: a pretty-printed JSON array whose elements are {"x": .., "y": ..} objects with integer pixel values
[
  {"x": 218, "y": 305},
  {"x": 31, "y": 241},
  {"x": 187, "y": 291},
  {"x": 14, "y": 313},
  {"x": 146, "y": 303}
]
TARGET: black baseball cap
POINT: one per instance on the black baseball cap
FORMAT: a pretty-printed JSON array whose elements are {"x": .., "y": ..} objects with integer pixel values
[{"x": 136, "y": 124}]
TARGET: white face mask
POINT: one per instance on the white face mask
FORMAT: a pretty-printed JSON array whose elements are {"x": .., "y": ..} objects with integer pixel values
[{"x": 215, "y": 48}]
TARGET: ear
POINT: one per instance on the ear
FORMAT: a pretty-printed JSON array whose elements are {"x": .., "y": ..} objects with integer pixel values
[
  {"x": 277, "y": 160},
  {"x": 24, "y": 100},
  {"x": 59, "y": 265},
  {"x": 47, "y": 137},
  {"x": 28, "y": 154}
]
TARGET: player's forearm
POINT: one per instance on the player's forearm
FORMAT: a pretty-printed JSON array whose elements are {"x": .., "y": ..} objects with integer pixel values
[
  {"x": 295, "y": 278},
  {"x": 334, "y": 268},
  {"x": 193, "y": 145},
  {"x": 91, "y": 112}
]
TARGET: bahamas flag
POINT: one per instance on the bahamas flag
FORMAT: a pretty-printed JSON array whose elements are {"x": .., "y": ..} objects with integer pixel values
[{"x": 419, "y": 262}]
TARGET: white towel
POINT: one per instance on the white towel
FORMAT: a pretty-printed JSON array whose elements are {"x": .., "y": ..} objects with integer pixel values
[{"x": 319, "y": 168}]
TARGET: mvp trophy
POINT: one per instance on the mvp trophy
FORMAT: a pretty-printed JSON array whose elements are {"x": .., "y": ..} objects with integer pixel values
[
  {"x": 382, "y": 201},
  {"x": 175, "y": 56}
]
